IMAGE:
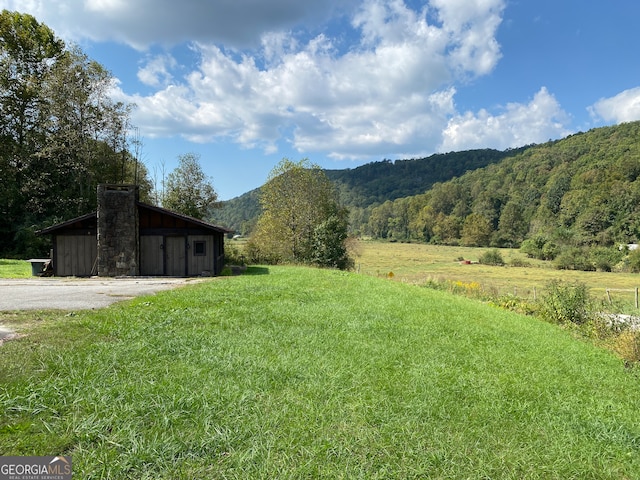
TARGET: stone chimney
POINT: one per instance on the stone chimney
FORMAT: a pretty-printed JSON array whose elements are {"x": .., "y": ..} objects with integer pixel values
[{"x": 118, "y": 246}]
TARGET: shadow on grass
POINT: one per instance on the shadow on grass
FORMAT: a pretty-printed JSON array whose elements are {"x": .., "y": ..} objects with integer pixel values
[{"x": 256, "y": 271}]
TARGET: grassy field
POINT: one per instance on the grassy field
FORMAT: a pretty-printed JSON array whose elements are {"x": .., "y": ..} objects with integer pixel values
[
  {"x": 14, "y": 269},
  {"x": 290, "y": 372},
  {"x": 419, "y": 263}
]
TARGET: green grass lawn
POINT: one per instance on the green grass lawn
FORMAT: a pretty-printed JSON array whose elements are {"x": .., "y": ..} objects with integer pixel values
[
  {"x": 14, "y": 268},
  {"x": 290, "y": 372}
]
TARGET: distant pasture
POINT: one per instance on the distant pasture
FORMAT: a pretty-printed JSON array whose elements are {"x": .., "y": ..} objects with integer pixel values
[{"x": 419, "y": 263}]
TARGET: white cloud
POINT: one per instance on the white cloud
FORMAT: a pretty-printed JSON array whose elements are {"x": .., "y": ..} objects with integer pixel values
[
  {"x": 157, "y": 71},
  {"x": 141, "y": 23},
  {"x": 518, "y": 125},
  {"x": 391, "y": 91},
  {"x": 471, "y": 26},
  {"x": 624, "y": 107},
  {"x": 385, "y": 87}
]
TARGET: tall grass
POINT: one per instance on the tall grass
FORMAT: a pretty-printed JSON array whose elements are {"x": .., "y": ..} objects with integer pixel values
[
  {"x": 303, "y": 373},
  {"x": 522, "y": 277}
]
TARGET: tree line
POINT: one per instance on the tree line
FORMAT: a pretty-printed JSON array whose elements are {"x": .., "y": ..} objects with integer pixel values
[
  {"x": 362, "y": 188},
  {"x": 61, "y": 134},
  {"x": 573, "y": 201}
]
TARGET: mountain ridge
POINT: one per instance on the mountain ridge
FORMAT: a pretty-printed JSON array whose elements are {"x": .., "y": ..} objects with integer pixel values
[
  {"x": 578, "y": 192},
  {"x": 373, "y": 183}
]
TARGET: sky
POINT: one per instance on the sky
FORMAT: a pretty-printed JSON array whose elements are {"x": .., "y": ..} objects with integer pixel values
[{"x": 246, "y": 83}]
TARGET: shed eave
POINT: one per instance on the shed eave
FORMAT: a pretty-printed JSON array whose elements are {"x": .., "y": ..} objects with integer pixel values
[{"x": 60, "y": 226}]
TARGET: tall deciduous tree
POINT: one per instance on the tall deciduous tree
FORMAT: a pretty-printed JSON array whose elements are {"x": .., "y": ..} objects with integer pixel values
[
  {"x": 301, "y": 220},
  {"x": 27, "y": 51},
  {"x": 60, "y": 132},
  {"x": 188, "y": 190},
  {"x": 476, "y": 231}
]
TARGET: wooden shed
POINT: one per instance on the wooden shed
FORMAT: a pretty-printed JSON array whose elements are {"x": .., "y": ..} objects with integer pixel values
[{"x": 125, "y": 237}]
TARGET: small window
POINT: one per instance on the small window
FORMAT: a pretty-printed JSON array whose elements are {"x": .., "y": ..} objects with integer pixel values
[{"x": 199, "y": 248}]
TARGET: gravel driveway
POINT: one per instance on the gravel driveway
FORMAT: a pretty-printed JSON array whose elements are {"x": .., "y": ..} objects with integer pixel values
[{"x": 79, "y": 293}]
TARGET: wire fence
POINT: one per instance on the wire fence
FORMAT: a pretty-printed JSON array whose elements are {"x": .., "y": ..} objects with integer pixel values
[{"x": 634, "y": 290}]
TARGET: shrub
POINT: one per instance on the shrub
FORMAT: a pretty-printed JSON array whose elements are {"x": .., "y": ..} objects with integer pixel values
[
  {"x": 532, "y": 247},
  {"x": 574, "y": 258},
  {"x": 604, "y": 259},
  {"x": 550, "y": 251},
  {"x": 567, "y": 303},
  {"x": 634, "y": 261},
  {"x": 255, "y": 255},
  {"x": 329, "y": 244},
  {"x": 519, "y": 262},
  {"x": 492, "y": 257},
  {"x": 232, "y": 255},
  {"x": 539, "y": 247}
]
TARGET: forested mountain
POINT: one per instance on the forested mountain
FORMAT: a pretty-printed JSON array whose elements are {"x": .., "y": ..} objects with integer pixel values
[
  {"x": 241, "y": 213},
  {"x": 582, "y": 191},
  {"x": 377, "y": 182},
  {"x": 372, "y": 184},
  {"x": 576, "y": 193}
]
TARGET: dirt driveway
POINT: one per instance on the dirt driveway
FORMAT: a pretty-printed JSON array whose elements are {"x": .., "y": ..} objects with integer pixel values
[{"x": 79, "y": 293}]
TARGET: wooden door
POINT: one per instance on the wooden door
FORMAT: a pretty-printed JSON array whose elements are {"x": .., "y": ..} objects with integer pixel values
[
  {"x": 175, "y": 256},
  {"x": 75, "y": 255},
  {"x": 151, "y": 255}
]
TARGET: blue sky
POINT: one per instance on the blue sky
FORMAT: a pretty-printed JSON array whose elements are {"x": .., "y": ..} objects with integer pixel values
[{"x": 244, "y": 83}]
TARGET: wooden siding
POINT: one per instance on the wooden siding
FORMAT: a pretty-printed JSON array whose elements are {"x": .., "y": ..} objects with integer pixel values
[
  {"x": 150, "y": 219},
  {"x": 165, "y": 245},
  {"x": 152, "y": 255},
  {"x": 175, "y": 256},
  {"x": 201, "y": 263},
  {"x": 75, "y": 255}
]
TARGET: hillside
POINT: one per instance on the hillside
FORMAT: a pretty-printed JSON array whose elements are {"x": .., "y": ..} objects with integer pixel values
[
  {"x": 583, "y": 190},
  {"x": 292, "y": 372},
  {"x": 373, "y": 183}
]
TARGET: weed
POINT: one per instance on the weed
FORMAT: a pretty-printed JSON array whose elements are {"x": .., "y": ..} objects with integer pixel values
[
  {"x": 515, "y": 304},
  {"x": 469, "y": 289},
  {"x": 627, "y": 345},
  {"x": 567, "y": 303}
]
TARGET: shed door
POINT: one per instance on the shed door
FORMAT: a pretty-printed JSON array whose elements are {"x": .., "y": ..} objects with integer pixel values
[
  {"x": 75, "y": 255},
  {"x": 175, "y": 251},
  {"x": 151, "y": 255}
]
